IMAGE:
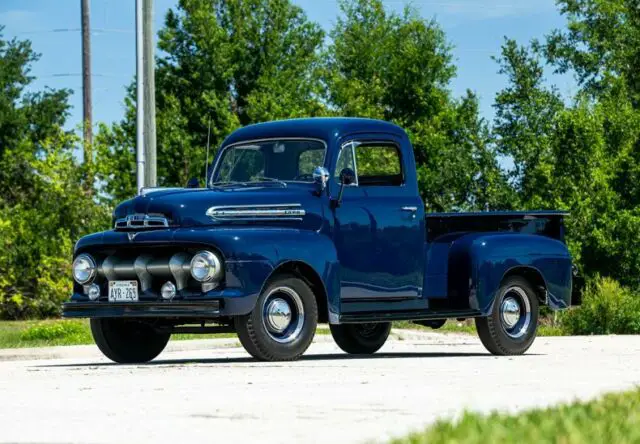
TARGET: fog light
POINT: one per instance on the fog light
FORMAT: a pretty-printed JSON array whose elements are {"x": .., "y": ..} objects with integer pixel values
[
  {"x": 168, "y": 290},
  {"x": 93, "y": 291}
]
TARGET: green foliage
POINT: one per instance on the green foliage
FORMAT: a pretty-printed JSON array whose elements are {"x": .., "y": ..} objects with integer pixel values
[
  {"x": 601, "y": 45},
  {"x": 580, "y": 158},
  {"x": 607, "y": 308},
  {"x": 225, "y": 63},
  {"x": 44, "y": 207},
  {"x": 612, "y": 418},
  {"x": 398, "y": 68}
]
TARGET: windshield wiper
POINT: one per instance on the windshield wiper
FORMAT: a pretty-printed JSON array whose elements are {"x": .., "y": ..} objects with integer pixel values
[
  {"x": 272, "y": 179},
  {"x": 223, "y": 183}
]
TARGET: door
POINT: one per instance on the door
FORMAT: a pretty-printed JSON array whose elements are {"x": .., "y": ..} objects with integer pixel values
[{"x": 379, "y": 226}]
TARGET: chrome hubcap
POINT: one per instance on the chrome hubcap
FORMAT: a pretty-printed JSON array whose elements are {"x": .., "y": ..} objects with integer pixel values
[
  {"x": 278, "y": 315},
  {"x": 283, "y": 314},
  {"x": 515, "y": 312},
  {"x": 510, "y": 311}
]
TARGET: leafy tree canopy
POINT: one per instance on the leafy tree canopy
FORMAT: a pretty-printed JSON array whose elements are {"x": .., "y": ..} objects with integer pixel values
[{"x": 224, "y": 63}]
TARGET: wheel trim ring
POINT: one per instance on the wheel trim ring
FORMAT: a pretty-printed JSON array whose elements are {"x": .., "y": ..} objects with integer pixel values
[
  {"x": 292, "y": 331},
  {"x": 521, "y": 327}
]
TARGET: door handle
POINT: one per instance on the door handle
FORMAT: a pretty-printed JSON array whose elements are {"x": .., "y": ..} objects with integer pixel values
[{"x": 411, "y": 209}]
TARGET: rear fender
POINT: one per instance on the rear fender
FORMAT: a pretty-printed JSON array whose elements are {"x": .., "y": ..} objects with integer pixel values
[{"x": 478, "y": 264}]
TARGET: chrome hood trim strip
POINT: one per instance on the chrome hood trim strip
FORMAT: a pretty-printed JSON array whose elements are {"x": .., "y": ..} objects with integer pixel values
[{"x": 293, "y": 212}]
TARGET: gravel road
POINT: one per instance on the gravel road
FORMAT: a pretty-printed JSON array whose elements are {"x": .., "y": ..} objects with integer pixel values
[{"x": 202, "y": 392}]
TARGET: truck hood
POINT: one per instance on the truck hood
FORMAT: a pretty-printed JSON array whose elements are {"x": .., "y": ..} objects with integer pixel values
[{"x": 188, "y": 207}]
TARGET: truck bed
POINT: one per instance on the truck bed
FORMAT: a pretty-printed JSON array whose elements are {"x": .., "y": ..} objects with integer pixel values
[{"x": 545, "y": 223}]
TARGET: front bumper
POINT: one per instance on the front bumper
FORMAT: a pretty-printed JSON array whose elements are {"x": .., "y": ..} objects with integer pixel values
[{"x": 178, "y": 309}]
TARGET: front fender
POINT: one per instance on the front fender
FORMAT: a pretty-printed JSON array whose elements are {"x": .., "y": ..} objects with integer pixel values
[{"x": 275, "y": 247}]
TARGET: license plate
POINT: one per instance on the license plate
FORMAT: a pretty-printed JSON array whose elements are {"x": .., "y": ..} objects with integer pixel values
[{"x": 123, "y": 291}]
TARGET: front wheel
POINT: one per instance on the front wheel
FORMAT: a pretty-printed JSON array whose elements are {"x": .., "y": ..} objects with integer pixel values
[
  {"x": 283, "y": 322},
  {"x": 361, "y": 339},
  {"x": 511, "y": 327},
  {"x": 128, "y": 341}
]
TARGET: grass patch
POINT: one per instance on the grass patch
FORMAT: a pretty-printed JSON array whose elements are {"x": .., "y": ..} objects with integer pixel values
[
  {"x": 614, "y": 418},
  {"x": 21, "y": 334}
]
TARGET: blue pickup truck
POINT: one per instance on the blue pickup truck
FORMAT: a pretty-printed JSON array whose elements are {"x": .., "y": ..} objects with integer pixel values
[{"x": 307, "y": 221}]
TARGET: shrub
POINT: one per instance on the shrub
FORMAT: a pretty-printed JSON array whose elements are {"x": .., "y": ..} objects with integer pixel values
[{"x": 607, "y": 308}]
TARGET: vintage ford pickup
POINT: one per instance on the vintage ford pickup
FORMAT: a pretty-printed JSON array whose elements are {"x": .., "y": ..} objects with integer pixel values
[{"x": 307, "y": 221}]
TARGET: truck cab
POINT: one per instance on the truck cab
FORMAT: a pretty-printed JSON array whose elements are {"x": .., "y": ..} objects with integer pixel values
[{"x": 306, "y": 221}]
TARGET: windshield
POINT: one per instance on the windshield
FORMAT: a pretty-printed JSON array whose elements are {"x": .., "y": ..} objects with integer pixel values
[{"x": 277, "y": 160}]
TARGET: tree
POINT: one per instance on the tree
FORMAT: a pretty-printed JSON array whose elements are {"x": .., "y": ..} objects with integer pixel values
[
  {"x": 26, "y": 118},
  {"x": 601, "y": 43},
  {"x": 524, "y": 122},
  {"x": 44, "y": 206},
  {"x": 225, "y": 63},
  {"x": 571, "y": 157},
  {"x": 398, "y": 68}
]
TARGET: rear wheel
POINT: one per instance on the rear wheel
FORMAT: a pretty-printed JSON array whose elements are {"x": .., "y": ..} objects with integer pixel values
[
  {"x": 283, "y": 322},
  {"x": 511, "y": 327},
  {"x": 127, "y": 341},
  {"x": 361, "y": 339}
]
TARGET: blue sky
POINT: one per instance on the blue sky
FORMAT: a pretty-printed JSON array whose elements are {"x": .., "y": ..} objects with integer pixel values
[{"x": 475, "y": 28}]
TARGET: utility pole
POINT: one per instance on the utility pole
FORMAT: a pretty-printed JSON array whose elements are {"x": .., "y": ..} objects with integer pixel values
[
  {"x": 140, "y": 183},
  {"x": 86, "y": 93},
  {"x": 150, "y": 166}
]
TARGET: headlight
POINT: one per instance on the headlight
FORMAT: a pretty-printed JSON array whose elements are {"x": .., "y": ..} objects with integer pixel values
[
  {"x": 205, "y": 266},
  {"x": 84, "y": 269}
]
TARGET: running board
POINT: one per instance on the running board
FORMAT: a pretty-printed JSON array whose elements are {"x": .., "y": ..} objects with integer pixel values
[{"x": 414, "y": 315}]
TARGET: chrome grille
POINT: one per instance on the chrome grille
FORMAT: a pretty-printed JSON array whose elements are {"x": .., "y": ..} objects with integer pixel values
[{"x": 141, "y": 221}]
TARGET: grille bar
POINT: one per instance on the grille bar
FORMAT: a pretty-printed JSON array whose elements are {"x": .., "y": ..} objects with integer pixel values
[{"x": 137, "y": 221}]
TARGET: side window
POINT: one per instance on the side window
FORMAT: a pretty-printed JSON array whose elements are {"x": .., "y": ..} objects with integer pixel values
[
  {"x": 345, "y": 160},
  {"x": 379, "y": 164}
]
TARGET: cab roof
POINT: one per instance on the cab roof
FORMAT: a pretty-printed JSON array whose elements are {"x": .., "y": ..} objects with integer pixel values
[{"x": 325, "y": 128}]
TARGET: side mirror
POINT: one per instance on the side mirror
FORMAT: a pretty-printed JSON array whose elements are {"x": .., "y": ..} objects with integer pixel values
[
  {"x": 193, "y": 183},
  {"x": 321, "y": 177},
  {"x": 347, "y": 177}
]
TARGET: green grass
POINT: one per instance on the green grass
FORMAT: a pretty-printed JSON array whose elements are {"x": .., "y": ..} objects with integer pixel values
[
  {"x": 19, "y": 334},
  {"x": 614, "y": 418}
]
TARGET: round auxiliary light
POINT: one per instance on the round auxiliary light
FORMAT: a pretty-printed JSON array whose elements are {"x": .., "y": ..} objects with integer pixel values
[
  {"x": 168, "y": 290},
  {"x": 93, "y": 292},
  {"x": 205, "y": 266},
  {"x": 84, "y": 269}
]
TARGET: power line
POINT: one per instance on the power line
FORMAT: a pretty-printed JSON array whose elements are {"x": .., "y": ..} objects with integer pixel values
[
  {"x": 94, "y": 31},
  {"x": 79, "y": 74}
]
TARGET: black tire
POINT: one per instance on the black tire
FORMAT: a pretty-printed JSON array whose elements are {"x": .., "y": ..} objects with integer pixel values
[
  {"x": 361, "y": 339},
  {"x": 127, "y": 341},
  {"x": 496, "y": 333},
  {"x": 260, "y": 341}
]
